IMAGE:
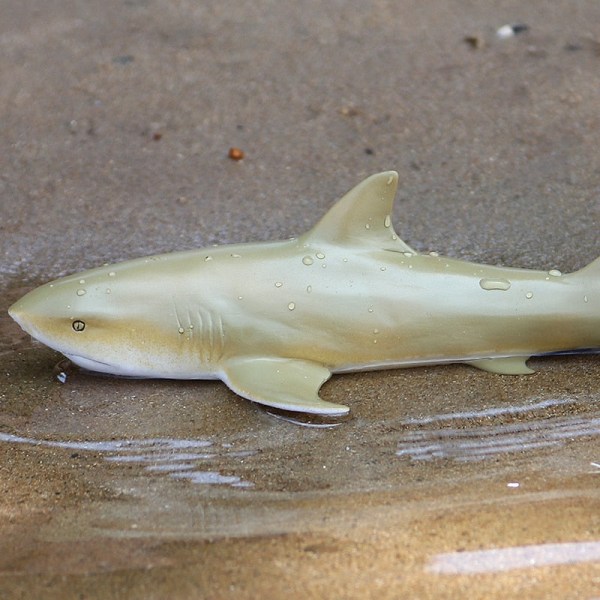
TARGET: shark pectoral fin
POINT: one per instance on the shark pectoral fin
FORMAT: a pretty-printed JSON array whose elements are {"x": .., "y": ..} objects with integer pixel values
[
  {"x": 512, "y": 365},
  {"x": 283, "y": 383}
]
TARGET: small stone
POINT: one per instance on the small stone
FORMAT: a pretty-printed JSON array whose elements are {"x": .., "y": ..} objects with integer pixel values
[{"x": 236, "y": 153}]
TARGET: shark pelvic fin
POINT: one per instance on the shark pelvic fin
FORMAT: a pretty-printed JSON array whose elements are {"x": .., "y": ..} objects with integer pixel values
[
  {"x": 362, "y": 217},
  {"x": 283, "y": 383},
  {"x": 512, "y": 365}
]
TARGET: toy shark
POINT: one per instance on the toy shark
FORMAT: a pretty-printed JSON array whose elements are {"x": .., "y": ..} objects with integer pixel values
[{"x": 274, "y": 320}]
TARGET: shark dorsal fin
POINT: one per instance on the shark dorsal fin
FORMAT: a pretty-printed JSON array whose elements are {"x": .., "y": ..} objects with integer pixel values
[{"x": 362, "y": 217}]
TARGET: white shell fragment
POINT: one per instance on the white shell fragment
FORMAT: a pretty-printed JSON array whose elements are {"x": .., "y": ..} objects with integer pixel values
[{"x": 507, "y": 31}]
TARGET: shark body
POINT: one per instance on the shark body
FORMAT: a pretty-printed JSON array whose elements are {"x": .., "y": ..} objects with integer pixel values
[{"x": 274, "y": 320}]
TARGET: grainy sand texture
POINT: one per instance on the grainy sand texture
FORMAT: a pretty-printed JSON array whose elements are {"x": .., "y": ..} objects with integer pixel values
[{"x": 116, "y": 124}]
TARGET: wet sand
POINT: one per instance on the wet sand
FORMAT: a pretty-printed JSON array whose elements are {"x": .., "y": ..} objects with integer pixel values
[{"x": 115, "y": 125}]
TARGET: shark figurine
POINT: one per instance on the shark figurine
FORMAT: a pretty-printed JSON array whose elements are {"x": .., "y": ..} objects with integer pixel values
[{"x": 274, "y": 320}]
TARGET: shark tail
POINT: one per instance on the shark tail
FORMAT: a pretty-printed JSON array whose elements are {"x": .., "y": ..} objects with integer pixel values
[{"x": 592, "y": 270}]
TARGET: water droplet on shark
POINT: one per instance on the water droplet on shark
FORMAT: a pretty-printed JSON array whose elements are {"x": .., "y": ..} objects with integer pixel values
[
  {"x": 181, "y": 330},
  {"x": 278, "y": 284},
  {"x": 81, "y": 281},
  {"x": 387, "y": 222},
  {"x": 291, "y": 305},
  {"x": 495, "y": 284},
  {"x": 81, "y": 292},
  {"x": 309, "y": 289},
  {"x": 320, "y": 255},
  {"x": 367, "y": 226},
  {"x": 382, "y": 268},
  {"x": 585, "y": 298},
  {"x": 529, "y": 295},
  {"x": 112, "y": 274},
  {"x": 307, "y": 260},
  {"x": 236, "y": 256},
  {"x": 207, "y": 258},
  {"x": 554, "y": 273}
]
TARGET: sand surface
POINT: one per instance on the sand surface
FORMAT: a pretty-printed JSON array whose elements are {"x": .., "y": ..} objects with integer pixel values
[{"x": 116, "y": 119}]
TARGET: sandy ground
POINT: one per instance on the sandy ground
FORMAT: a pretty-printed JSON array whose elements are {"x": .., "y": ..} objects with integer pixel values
[{"x": 115, "y": 123}]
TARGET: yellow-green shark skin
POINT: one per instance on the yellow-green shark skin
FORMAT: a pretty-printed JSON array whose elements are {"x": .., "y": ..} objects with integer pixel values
[{"x": 275, "y": 320}]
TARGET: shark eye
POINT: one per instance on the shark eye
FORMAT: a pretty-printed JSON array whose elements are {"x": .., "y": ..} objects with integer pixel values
[{"x": 78, "y": 325}]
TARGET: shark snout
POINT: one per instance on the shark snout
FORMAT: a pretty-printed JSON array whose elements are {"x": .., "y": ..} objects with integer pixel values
[
  {"x": 20, "y": 313},
  {"x": 15, "y": 312},
  {"x": 32, "y": 311}
]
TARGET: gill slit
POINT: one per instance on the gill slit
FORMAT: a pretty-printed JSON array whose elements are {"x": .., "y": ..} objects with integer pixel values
[
  {"x": 205, "y": 331},
  {"x": 179, "y": 325},
  {"x": 213, "y": 337}
]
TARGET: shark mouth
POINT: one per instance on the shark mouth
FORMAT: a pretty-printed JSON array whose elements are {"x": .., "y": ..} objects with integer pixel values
[
  {"x": 90, "y": 364},
  {"x": 116, "y": 370}
]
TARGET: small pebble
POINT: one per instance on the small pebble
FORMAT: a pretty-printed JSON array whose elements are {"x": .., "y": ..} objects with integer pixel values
[
  {"x": 475, "y": 41},
  {"x": 123, "y": 60},
  {"x": 236, "y": 154}
]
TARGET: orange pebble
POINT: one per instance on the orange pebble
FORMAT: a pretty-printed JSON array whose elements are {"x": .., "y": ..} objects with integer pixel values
[{"x": 236, "y": 154}]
